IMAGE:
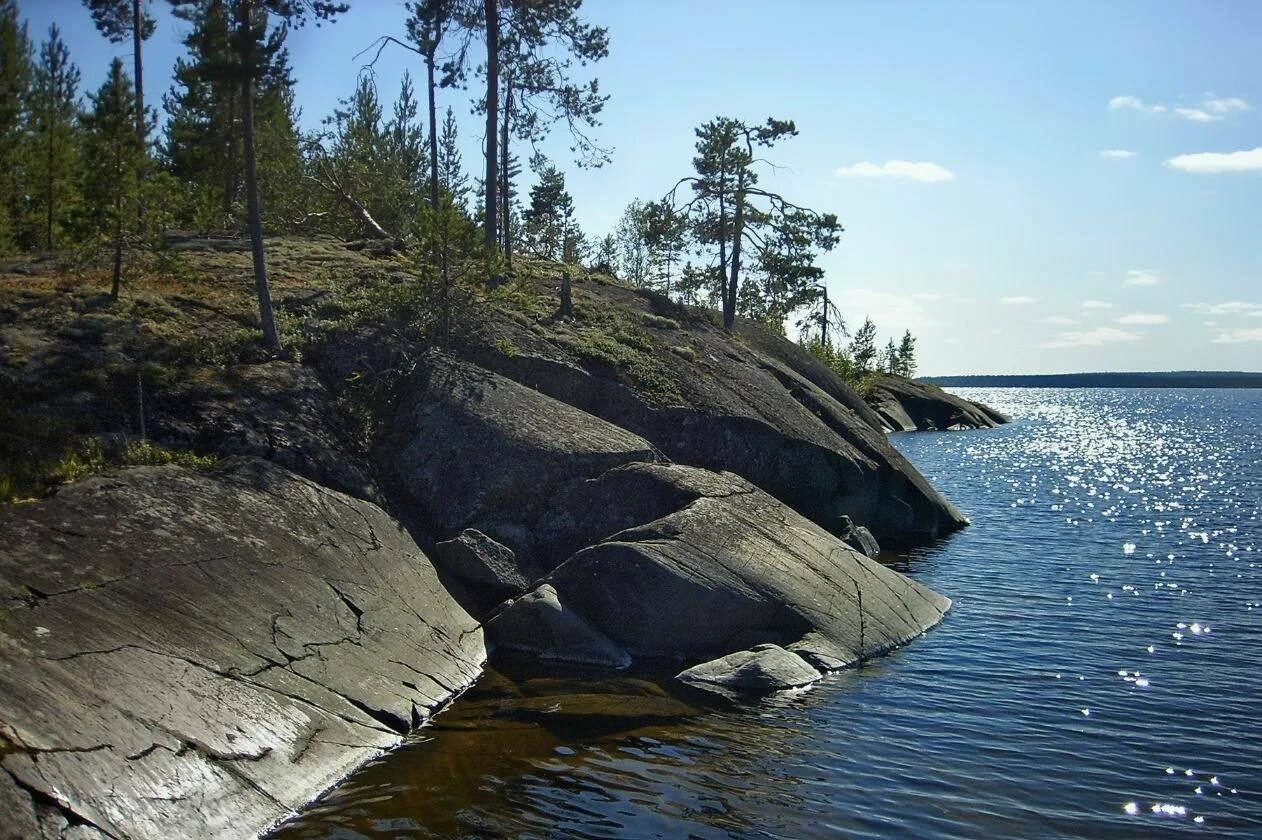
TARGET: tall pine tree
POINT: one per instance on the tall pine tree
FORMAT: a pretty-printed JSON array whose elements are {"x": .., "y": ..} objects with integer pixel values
[
  {"x": 113, "y": 146},
  {"x": 15, "y": 83},
  {"x": 52, "y": 113}
]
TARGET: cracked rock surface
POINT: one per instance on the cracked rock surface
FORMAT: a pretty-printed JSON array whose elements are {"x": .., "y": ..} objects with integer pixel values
[
  {"x": 719, "y": 566},
  {"x": 908, "y": 406},
  {"x": 197, "y": 654}
]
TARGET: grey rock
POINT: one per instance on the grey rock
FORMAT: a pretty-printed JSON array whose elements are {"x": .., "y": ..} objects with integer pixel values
[
  {"x": 858, "y": 537},
  {"x": 489, "y": 570},
  {"x": 732, "y": 567},
  {"x": 905, "y": 405},
  {"x": 760, "y": 670},
  {"x": 467, "y": 445},
  {"x": 541, "y": 624},
  {"x": 199, "y": 653}
]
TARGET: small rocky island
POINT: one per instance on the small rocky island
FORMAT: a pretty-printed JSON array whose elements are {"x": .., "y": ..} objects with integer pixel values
[{"x": 259, "y": 572}]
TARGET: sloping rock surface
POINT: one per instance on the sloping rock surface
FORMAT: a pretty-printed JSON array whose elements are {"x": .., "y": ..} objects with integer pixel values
[
  {"x": 197, "y": 654},
  {"x": 724, "y": 566},
  {"x": 748, "y": 403},
  {"x": 905, "y": 405}
]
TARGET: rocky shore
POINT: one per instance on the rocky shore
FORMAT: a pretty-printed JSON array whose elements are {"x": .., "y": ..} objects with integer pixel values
[{"x": 199, "y": 651}]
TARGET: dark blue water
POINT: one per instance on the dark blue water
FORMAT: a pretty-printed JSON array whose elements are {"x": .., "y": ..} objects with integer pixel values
[{"x": 1100, "y": 674}]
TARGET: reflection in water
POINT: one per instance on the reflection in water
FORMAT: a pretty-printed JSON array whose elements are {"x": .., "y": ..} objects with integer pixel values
[{"x": 1097, "y": 676}]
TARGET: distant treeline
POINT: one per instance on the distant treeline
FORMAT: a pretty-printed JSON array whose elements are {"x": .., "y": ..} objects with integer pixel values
[{"x": 1170, "y": 379}]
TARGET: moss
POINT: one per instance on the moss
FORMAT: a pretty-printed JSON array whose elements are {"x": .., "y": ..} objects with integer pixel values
[
  {"x": 684, "y": 352},
  {"x": 660, "y": 322}
]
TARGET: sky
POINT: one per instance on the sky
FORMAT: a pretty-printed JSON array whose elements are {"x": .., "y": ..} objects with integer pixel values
[{"x": 1028, "y": 188}]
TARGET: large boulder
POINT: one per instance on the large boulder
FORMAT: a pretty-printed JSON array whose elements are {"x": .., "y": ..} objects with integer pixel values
[
  {"x": 489, "y": 571},
  {"x": 199, "y": 653},
  {"x": 749, "y": 403},
  {"x": 467, "y": 447},
  {"x": 905, "y": 405},
  {"x": 759, "y": 670},
  {"x": 729, "y": 568},
  {"x": 538, "y": 623}
]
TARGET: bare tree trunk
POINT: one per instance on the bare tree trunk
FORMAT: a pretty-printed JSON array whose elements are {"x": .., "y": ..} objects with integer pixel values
[
  {"x": 506, "y": 219},
  {"x": 492, "y": 116},
  {"x": 433, "y": 119},
  {"x": 738, "y": 226},
  {"x": 823, "y": 321},
  {"x": 48, "y": 233},
  {"x": 118, "y": 236},
  {"x": 270, "y": 337},
  {"x": 141, "y": 133},
  {"x": 567, "y": 295}
]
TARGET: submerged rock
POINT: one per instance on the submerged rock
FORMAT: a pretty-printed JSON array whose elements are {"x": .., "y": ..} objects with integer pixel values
[
  {"x": 199, "y": 653},
  {"x": 759, "y": 670},
  {"x": 540, "y": 624}
]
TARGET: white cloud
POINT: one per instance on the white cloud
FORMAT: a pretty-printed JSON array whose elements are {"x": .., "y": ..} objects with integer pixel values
[
  {"x": 1136, "y": 318},
  {"x": 1196, "y": 115},
  {"x": 1140, "y": 277},
  {"x": 923, "y": 171},
  {"x": 1117, "y": 154},
  {"x": 1231, "y": 307},
  {"x": 1018, "y": 299},
  {"x": 1096, "y": 304},
  {"x": 899, "y": 312},
  {"x": 927, "y": 296},
  {"x": 1134, "y": 103},
  {"x": 1212, "y": 163},
  {"x": 1091, "y": 338},
  {"x": 1239, "y": 336},
  {"x": 1227, "y": 105},
  {"x": 1058, "y": 319}
]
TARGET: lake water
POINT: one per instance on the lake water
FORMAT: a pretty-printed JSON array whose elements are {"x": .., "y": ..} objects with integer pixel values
[{"x": 1100, "y": 674}]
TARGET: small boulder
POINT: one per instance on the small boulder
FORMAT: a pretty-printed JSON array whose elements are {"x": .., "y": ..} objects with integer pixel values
[
  {"x": 489, "y": 569},
  {"x": 859, "y": 538},
  {"x": 759, "y": 670},
  {"x": 538, "y": 623}
]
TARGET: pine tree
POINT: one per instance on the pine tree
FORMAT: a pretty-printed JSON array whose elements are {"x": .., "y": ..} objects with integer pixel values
[
  {"x": 53, "y": 110},
  {"x": 633, "y": 255},
  {"x": 548, "y": 223},
  {"x": 889, "y": 358},
  {"x": 729, "y": 212},
  {"x": 111, "y": 143},
  {"x": 451, "y": 175},
  {"x": 907, "y": 355},
  {"x": 863, "y": 347},
  {"x": 15, "y": 81}
]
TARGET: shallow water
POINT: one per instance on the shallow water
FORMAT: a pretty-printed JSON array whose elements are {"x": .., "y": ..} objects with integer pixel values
[{"x": 1098, "y": 675}]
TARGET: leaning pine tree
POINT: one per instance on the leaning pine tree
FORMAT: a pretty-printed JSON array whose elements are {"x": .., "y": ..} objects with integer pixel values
[
  {"x": 114, "y": 147},
  {"x": 755, "y": 236}
]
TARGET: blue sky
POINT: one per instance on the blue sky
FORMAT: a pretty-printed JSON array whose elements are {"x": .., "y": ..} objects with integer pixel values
[{"x": 961, "y": 145}]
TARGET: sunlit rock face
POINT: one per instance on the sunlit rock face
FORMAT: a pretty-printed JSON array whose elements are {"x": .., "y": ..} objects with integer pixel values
[{"x": 197, "y": 654}]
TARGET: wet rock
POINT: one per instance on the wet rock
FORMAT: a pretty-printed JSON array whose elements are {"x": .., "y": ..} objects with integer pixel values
[
  {"x": 199, "y": 653},
  {"x": 760, "y": 670},
  {"x": 539, "y": 623},
  {"x": 489, "y": 570}
]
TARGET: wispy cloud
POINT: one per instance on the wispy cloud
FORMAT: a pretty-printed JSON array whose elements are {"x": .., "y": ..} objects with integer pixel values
[
  {"x": 1197, "y": 115},
  {"x": 1117, "y": 154},
  {"x": 1140, "y": 277},
  {"x": 1213, "y": 163},
  {"x": 1231, "y": 307},
  {"x": 1091, "y": 338},
  {"x": 1239, "y": 336},
  {"x": 923, "y": 171},
  {"x": 1018, "y": 299},
  {"x": 1096, "y": 304},
  {"x": 927, "y": 296},
  {"x": 1058, "y": 319},
  {"x": 1134, "y": 103},
  {"x": 1226, "y": 105},
  {"x": 1144, "y": 318}
]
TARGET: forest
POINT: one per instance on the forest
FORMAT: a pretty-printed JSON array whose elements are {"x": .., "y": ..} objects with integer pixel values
[{"x": 104, "y": 176}]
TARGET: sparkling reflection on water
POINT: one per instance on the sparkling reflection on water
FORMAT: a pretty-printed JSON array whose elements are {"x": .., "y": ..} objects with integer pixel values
[{"x": 1098, "y": 676}]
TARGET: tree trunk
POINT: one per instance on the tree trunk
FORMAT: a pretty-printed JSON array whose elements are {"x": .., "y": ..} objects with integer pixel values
[
  {"x": 492, "y": 116},
  {"x": 433, "y": 120},
  {"x": 823, "y": 321},
  {"x": 48, "y": 233},
  {"x": 738, "y": 231},
  {"x": 141, "y": 133},
  {"x": 118, "y": 232},
  {"x": 506, "y": 219},
  {"x": 270, "y": 338},
  {"x": 567, "y": 296}
]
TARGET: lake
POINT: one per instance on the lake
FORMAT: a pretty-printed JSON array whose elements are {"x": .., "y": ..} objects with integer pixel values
[{"x": 1100, "y": 673}]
